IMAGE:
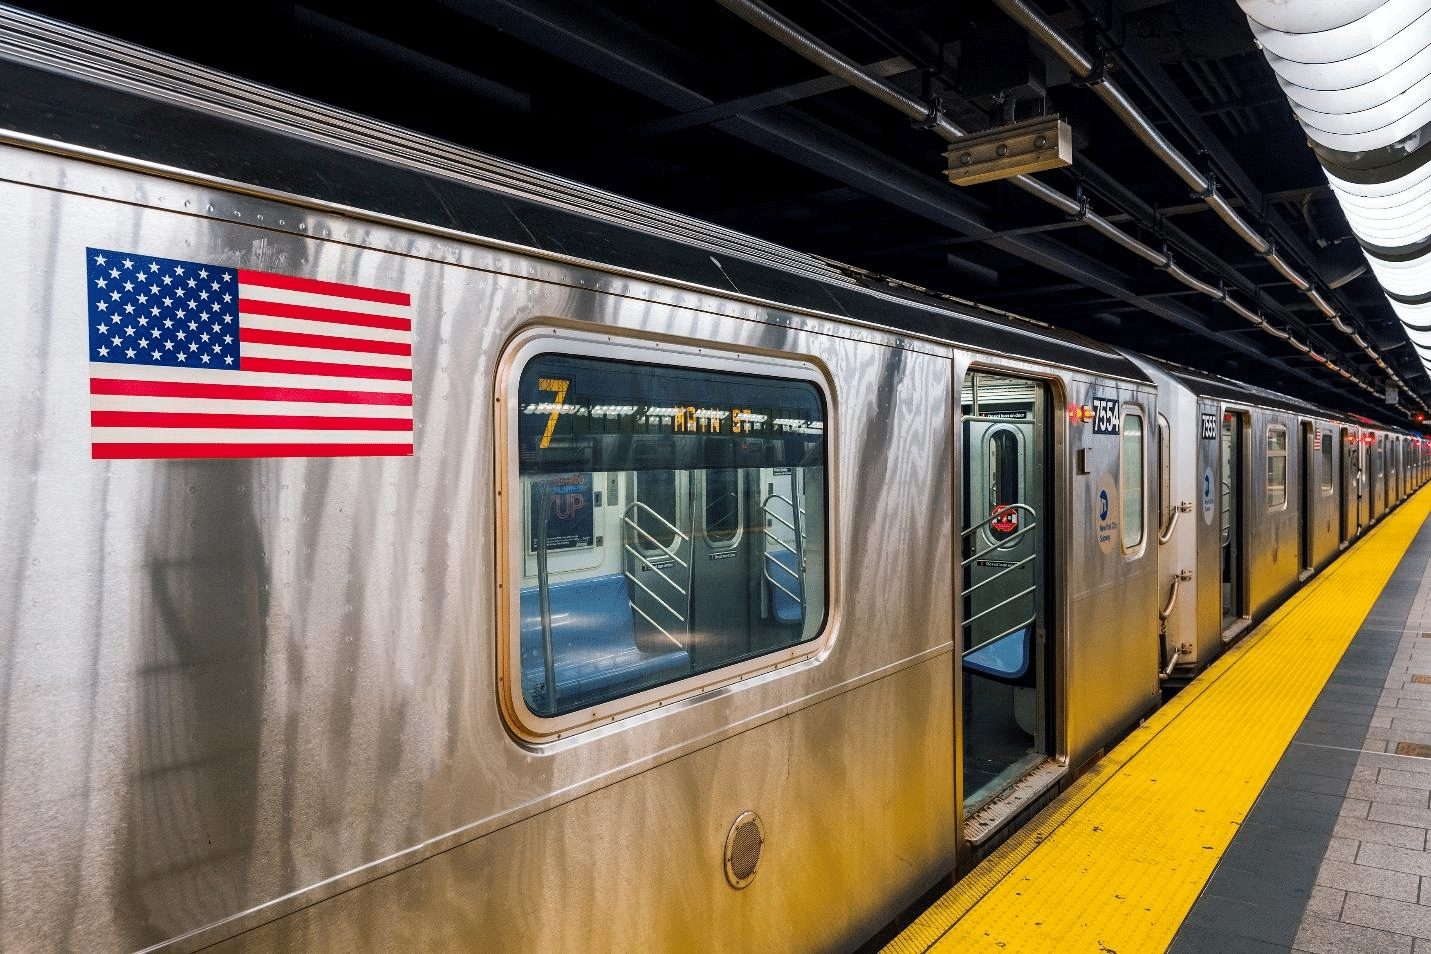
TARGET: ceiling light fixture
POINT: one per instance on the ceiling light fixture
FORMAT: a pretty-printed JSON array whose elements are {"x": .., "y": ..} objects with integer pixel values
[{"x": 1358, "y": 76}]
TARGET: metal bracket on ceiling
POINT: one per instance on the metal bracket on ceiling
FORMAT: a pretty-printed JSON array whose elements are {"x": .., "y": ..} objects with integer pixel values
[
  {"x": 932, "y": 100},
  {"x": 1082, "y": 212},
  {"x": 931, "y": 119},
  {"x": 1099, "y": 73},
  {"x": 1211, "y": 189}
]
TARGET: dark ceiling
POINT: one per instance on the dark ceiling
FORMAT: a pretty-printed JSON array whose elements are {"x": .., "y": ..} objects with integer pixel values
[{"x": 685, "y": 105}]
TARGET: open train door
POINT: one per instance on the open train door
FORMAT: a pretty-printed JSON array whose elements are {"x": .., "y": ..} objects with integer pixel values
[
  {"x": 1005, "y": 581},
  {"x": 1308, "y": 489},
  {"x": 1352, "y": 482},
  {"x": 1346, "y": 484},
  {"x": 1236, "y": 426}
]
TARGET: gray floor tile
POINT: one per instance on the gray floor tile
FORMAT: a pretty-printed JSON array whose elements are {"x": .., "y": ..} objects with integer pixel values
[
  {"x": 1399, "y": 917},
  {"x": 1320, "y": 935},
  {"x": 1367, "y": 880}
]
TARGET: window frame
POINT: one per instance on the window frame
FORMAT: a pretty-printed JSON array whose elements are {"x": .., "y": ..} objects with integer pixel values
[
  {"x": 1136, "y": 547},
  {"x": 511, "y": 555},
  {"x": 1327, "y": 457},
  {"x": 1270, "y": 455}
]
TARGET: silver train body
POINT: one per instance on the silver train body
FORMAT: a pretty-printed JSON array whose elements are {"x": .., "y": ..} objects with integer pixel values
[{"x": 722, "y": 601}]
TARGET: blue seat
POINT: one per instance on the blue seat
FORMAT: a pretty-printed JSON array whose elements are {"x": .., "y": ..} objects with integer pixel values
[
  {"x": 593, "y": 644},
  {"x": 1008, "y": 659},
  {"x": 784, "y": 606}
]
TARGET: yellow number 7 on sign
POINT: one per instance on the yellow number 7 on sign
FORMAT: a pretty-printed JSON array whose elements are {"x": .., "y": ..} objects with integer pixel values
[{"x": 558, "y": 387}]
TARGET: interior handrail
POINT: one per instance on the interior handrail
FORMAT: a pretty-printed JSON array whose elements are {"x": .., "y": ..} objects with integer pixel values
[
  {"x": 769, "y": 558},
  {"x": 1028, "y": 525},
  {"x": 651, "y": 565},
  {"x": 994, "y": 639},
  {"x": 634, "y": 525},
  {"x": 772, "y": 515},
  {"x": 647, "y": 616},
  {"x": 1000, "y": 605},
  {"x": 1003, "y": 571},
  {"x": 1002, "y": 544},
  {"x": 780, "y": 586},
  {"x": 994, "y": 516}
]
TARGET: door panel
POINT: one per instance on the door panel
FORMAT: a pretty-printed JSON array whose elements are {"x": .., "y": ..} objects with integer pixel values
[{"x": 1006, "y": 521}]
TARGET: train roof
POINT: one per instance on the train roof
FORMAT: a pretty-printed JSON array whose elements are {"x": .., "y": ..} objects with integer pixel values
[
  {"x": 134, "y": 108},
  {"x": 1226, "y": 389}
]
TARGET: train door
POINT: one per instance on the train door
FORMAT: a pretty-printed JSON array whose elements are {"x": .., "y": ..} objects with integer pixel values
[
  {"x": 1311, "y": 448},
  {"x": 1393, "y": 471},
  {"x": 700, "y": 542},
  {"x": 1363, "y": 491},
  {"x": 1376, "y": 474},
  {"x": 784, "y": 528},
  {"x": 1235, "y": 427},
  {"x": 1346, "y": 498},
  {"x": 1176, "y": 553},
  {"x": 720, "y": 555},
  {"x": 1006, "y": 526}
]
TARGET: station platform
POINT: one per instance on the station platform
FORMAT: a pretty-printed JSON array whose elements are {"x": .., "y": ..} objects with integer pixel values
[{"x": 1281, "y": 802}]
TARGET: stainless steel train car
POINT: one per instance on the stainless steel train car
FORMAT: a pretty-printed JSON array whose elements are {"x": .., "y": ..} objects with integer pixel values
[
  {"x": 405, "y": 550},
  {"x": 1273, "y": 490}
]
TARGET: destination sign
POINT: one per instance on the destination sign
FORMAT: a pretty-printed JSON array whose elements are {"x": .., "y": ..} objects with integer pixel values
[{"x": 573, "y": 407}]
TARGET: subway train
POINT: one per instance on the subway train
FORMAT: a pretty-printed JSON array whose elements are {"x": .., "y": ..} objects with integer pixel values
[{"x": 427, "y": 553}]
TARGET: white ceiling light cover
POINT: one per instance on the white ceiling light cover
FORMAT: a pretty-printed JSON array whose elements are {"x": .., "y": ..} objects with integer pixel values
[
  {"x": 1358, "y": 75},
  {"x": 1407, "y": 279},
  {"x": 1323, "y": 30}
]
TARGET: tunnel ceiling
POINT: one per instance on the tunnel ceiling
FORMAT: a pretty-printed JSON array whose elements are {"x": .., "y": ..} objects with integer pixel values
[{"x": 689, "y": 106}]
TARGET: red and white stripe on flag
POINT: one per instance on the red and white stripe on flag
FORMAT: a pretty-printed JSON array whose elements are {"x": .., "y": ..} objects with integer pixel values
[{"x": 189, "y": 360}]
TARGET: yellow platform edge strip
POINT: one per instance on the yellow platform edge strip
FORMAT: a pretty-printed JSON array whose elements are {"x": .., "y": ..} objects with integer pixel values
[{"x": 1117, "y": 860}]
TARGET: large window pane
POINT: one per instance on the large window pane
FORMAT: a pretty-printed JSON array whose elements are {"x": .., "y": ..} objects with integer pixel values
[
  {"x": 1328, "y": 473},
  {"x": 1132, "y": 478},
  {"x": 1276, "y": 466},
  {"x": 676, "y": 524}
]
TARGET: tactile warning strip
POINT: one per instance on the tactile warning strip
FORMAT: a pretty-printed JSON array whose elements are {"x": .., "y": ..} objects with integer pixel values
[{"x": 1115, "y": 863}]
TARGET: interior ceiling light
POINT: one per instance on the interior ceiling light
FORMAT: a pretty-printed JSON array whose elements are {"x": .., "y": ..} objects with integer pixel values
[{"x": 1358, "y": 76}]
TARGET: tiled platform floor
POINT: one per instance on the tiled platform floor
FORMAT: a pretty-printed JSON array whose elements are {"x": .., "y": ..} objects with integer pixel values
[{"x": 1335, "y": 856}]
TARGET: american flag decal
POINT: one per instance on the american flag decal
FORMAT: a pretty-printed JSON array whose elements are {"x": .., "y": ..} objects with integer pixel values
[{"x": 195, "y": 360}]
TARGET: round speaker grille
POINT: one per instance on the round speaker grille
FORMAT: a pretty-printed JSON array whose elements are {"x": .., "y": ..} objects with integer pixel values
[{"x": 743, "y": 845}]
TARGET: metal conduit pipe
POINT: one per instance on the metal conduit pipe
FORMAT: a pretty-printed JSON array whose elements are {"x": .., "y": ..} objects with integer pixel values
[
  {"x": 1098, "y": 223},
  {"x": 1107, "y": 229},
  {"x": 1247, "y": 313},
  {"x": 792, "y": 37},
  {"x": 1084, "y": 67},
  {"x": 785, "y": 32},
  {"x": 1177, "y": 272},
  {"x": 1325, "y": 307},
  {"x": 1301, "y": 283}
]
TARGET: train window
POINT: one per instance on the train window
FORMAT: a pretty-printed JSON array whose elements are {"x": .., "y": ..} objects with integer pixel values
[
  {"x": 722, "y": 506},
  {"x": 1276, "y": 466},
  {"x": 1328, "y": 464},
  {"x": 1133, "y": 482},
  {"x": 655, "y": 511},
  {"x": 706, "y": 551},
  {"x": 1004, "y": 468},
  {"x": 1165, "y": 471}
]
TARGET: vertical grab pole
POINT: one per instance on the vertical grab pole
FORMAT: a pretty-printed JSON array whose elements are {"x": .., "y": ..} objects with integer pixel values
[{"x": 544, "y": 592}]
